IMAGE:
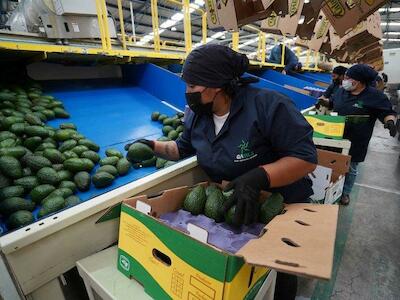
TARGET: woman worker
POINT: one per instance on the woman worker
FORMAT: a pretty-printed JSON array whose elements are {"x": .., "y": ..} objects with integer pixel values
[
  {"x": 255, "y": 138},
  {"x": 357, "y": 97}
]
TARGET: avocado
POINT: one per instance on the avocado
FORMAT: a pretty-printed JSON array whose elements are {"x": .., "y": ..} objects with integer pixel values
[
  {"x": 272, "y": 207},
  {"x": 155, "y": 115},
  {"x": 102, "y": 179},
  {"x": 139, "y": 152},
  {"x": 195, "y": 200},
  {"x": 10, "y": 167},
  {"x": 20, "y": 218},
  {"x": 214, "y": 205}
]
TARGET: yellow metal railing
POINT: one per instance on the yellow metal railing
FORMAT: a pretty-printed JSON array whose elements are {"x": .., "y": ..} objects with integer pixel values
[{"x": 156, "y": 46}]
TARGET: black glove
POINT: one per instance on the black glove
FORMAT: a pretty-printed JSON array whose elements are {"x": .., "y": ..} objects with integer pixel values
[
  {"x": 247, "y": 188},
  {"x": 391, "y": 127},
  {"x": 143, "y": 141},
  {"x": 322, "y": 102}
]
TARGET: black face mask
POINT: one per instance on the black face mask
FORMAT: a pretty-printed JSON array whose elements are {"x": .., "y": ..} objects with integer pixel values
[
  {"x": 336, "y": 81},
  {"x": 195, "y": 104}
]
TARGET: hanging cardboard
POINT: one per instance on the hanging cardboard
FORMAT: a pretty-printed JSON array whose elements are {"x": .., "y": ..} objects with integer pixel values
[
  {"x": 346, "y": 14},
  {"x": 287, "y": 24},
  {"x": 232, "y": 14},
  {"x": 309, "y": 15}
]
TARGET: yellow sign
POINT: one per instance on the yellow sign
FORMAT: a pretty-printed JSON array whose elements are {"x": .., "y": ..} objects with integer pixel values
[
  {"x": 323, "y": 29},
  {"x": 212, "y": 12},
  {"x": 294, "y": 6},
  {"x": 336, "y": 7},
  {"x": 272, "y": 20}
]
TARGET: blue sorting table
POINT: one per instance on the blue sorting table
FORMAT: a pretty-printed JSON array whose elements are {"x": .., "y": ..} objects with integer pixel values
[
  {"x": 308, "y": 77},
  {"x": 115, "y": 112},
  {"x": 325, "y": 77},
  {"x": 281, "y": 79},
  {"x": 301, "y": 101}
]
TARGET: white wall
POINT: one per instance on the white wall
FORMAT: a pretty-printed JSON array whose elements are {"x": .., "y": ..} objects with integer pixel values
[{"x": 392, "y": 64}]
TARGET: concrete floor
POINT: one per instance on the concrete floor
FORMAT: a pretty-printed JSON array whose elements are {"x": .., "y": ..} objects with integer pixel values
[{"x": 367, "y": 251}]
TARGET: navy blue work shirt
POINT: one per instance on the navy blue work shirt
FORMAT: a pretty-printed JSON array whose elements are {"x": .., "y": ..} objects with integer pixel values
[
  {"x": 332, "y": 88},
  {"x": 262, "y": 127},
  {"x": 290, "y": 60},
  {"x": 371, "y": 103}
]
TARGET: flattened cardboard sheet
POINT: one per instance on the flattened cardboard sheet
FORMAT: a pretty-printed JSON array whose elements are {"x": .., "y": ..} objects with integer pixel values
[{"x": 300, "y": 241}]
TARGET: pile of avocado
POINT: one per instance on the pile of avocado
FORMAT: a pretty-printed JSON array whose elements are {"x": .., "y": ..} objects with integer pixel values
[
  {"x": 42, "y": 166},
  {"x": 173, "y": 126},
  {"x": 111, "y": 166},
  {"x": 210, "y": 200},
  {"x": 32, "y": 171}
]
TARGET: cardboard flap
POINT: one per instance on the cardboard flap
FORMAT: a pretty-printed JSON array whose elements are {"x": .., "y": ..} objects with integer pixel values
[
  {"x": 339, "y": 163},
  {"x": 158, "y": 205},
  {"x": 300, "y": 241}
]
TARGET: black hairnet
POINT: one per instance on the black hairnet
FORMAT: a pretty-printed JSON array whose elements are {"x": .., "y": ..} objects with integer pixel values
[
  {"x": 215, "y": 66},
  {"x": 339, "y": 70},
  {"x": 363, "y": 73}
]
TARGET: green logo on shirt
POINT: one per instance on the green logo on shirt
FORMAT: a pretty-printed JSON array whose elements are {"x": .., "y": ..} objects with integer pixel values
[
  {"x": 245, "y": 152},
  {"x": 358, "y": 104}
]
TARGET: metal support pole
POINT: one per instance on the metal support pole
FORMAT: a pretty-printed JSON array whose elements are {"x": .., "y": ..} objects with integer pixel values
[
  {"x": 235, "y": 41},
  {"x": 132, "y": 21},
  {"x": 204, "y": 27},
  {"x": 187, "y": 26},
  {"x": 308, "y": 58},
  {"x": 105, "y": 22},
  {"x": 263, "y": 41},
  {"x": 101, "y": 25},
  {"x": 121, "y": 24},
  {"x": 154, "y": 19},
  {"x": 283, "y": 54}
]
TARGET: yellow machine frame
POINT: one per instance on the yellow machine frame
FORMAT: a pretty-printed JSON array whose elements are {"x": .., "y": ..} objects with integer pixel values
[{"x": 128, "y": 47}]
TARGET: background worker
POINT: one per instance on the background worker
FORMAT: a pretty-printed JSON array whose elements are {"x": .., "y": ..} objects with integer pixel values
[
  {"x": 358, "y": 98},
  {"x": 255, "y": 138},
  {"x": 337, "y": 78},
  {"x": 291, "y": 61}
]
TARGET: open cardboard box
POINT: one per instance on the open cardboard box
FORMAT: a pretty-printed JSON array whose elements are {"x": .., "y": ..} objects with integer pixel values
[
  {"x": 172, "y": 263},
  {"x": 329, "y": 176},
  {"x": 345, "y": 15},
  {"x": 232, "y": 14}
]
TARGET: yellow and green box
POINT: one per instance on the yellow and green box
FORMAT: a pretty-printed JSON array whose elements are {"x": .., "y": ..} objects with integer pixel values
[
  {"x": 327, "y": 126},
  {"x": 172, "y": 265}
]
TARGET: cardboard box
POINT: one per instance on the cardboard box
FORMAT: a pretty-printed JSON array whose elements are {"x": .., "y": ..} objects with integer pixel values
[
  {"x": 329, "y": 176},
  {"x": 327, "y": 126},
  {"x": 231, "y": 14},
  {"x": 310, "y": 14},
  {"x": 346, "y": 14},
  {"x": 182, "y": 265},
  {"x": 285, "y": 24}
]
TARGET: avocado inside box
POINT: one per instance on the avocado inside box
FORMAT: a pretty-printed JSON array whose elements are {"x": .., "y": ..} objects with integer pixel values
[{"x": 221, "y": 235}]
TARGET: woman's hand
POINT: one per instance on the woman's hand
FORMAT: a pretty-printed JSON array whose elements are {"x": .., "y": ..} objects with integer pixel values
[{"x": 247, "y": 188}]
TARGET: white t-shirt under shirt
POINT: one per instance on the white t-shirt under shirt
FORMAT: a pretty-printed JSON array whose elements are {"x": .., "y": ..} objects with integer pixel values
[{"x": 219, "y": 122}]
